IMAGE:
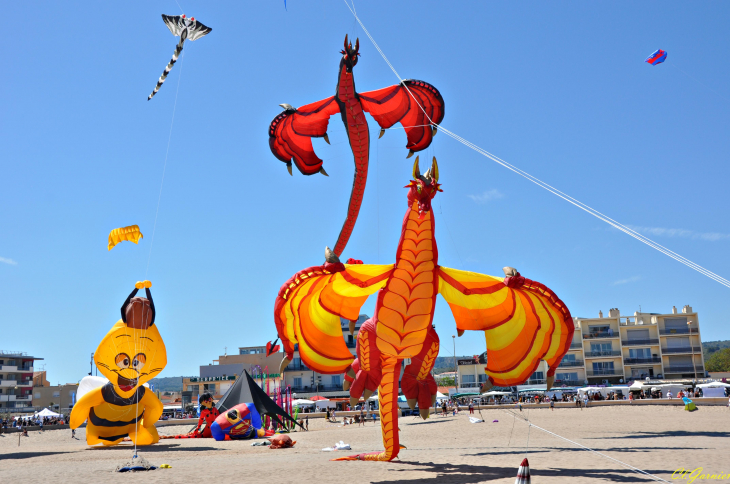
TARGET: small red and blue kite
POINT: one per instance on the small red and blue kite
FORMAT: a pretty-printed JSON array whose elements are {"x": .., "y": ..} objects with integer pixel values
[{"x": 657, "y": 57}]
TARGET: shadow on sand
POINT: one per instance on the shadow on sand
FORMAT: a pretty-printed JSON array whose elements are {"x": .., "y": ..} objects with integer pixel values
[{"x": 471, "y": 474}]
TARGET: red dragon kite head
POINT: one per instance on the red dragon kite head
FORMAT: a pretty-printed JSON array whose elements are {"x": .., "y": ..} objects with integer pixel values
[
  {"x": 424, "y": 187},
  {"x": 350, "y": 55}
]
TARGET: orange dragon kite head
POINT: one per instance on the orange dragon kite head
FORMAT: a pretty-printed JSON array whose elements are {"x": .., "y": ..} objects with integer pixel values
[
  {"x": 350, "y": 55},
  {"x": 423, "y": 188}
]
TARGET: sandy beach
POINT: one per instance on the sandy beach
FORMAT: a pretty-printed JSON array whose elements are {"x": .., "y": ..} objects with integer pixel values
[{"x": 656, "y": 439}]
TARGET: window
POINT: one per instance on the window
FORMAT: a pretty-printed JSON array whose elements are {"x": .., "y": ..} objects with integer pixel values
[
  {"x": 603, "y": 367},
  {"x": 596, "y": 330},
  {"x": 601, "y": 348},
  {"x": 680, "y": 342},
  {"x": 674, "y": 324},
  {"x": 194, "y": 388},
  {"x": 569, "y": 357},
  {"x": 56, "y": 394},
  {"x": 336, "y": 380},
  {"x": 538, "y": 375},
  {"x": 297, "y": 382},
  {"x": 482, "y": 377},
  {"x": 566, "y": 376},
  {"x": 636, "y": 334},
  {"x": 37, "y": 395},
  {"x": 468, "y": 378},
  {"x": 639, "y": 353}
]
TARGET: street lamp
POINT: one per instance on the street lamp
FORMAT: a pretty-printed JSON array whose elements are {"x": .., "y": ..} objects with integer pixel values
[{"x": 456, "y": 371}]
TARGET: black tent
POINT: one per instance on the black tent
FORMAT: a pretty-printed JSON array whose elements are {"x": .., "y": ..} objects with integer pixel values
[{"x": 246, "y": 390}]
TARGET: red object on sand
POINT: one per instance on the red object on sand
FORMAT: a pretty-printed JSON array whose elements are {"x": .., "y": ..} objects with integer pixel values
[{"x": 523, "y": 473}]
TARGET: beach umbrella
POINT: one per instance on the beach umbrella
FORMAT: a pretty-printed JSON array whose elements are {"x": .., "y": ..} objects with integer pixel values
[{"x": 523, "y": 473}]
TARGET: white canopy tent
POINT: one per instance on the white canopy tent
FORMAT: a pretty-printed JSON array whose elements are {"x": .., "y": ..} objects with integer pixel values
[
  {"x": 324, "y": 404},
  {"x": 713, "y": 389},
  {"x": 441, "y": 396},
  {"x": 302, "y": 402},
  {"x": 495, "y": 394},
  {"x": 604, "y": 390},
  {"x": 47, "y": 413}
]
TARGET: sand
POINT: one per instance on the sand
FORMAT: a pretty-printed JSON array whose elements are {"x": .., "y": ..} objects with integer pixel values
[{"x": 656, "y": 439}]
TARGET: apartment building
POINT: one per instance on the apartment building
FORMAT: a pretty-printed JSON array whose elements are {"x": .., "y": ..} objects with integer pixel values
[
  {"x": 616, "y": 349},
  {"x": 16, "y": 381},
  {"x": 217, "y": 377},
  {"x": 619, "y": 349}
]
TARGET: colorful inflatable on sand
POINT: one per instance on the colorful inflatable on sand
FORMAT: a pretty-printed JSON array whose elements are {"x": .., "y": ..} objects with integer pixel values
[{"x": 131, "y": 354}]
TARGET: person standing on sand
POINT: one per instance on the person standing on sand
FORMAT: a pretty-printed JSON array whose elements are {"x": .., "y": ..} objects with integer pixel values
[
  {"x": 362, "y": 417},
  {"x": 552, "y": 405},
  {"x": 306, "y": 423}
]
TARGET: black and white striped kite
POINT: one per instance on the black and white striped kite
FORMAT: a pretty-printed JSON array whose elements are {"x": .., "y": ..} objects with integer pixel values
[{"x": 185, "y": 28}]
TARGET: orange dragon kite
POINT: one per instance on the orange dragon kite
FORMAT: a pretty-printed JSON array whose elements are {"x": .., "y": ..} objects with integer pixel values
[{"x": 524, "y": 322}]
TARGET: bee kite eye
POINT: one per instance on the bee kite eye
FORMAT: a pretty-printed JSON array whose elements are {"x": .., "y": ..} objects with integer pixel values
[
  {"x": 122, "y": 360},
  {"x": 139, "y": 361}
]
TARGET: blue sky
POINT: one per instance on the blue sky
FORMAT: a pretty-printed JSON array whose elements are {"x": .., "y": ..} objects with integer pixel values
[{"x": 559, "y": 89}]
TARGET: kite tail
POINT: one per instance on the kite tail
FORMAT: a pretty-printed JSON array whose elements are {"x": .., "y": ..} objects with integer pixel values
[
  {"x": 167, "y": 70},
  {"x": 388, "y": 402},
  {"x": 362, "y": 156}
]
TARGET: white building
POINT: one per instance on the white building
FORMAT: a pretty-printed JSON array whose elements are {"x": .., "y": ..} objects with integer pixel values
[
  {"x": 617, "y": 349},
  {"x": 16, "y": 381}
]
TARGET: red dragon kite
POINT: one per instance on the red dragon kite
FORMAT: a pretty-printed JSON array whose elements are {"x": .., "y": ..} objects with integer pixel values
[
  {"x": 417, "y": 105},
  {"x": 523, "y": 321}
]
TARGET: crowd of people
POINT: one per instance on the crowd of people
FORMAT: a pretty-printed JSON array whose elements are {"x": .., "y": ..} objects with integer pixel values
[{"x": 33, "y": 421}]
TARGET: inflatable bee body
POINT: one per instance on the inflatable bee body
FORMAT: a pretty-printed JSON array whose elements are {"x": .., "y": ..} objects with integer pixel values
[{"x": 131, "y": 354}]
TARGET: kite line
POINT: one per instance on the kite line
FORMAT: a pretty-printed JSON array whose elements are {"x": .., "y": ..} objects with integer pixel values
[
  {"x": 541, "y": 184},
  {"x": 164, "y": 167},
  {"x": 628, "y": 466}
]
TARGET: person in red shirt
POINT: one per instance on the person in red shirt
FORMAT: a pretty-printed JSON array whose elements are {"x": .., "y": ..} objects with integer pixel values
[{"x": 208, "y": 414}]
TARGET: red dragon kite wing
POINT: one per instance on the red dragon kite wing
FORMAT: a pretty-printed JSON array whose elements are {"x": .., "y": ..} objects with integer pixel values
[
  {"x": 396, "y": 104},
  {"x": 291, "y": 133},
  {"x": 309, "y": 307},
  {"x": 523, "y": 321}
]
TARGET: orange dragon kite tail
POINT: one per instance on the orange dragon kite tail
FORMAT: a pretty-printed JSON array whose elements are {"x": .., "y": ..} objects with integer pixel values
[{"x": 388, "y": 401}]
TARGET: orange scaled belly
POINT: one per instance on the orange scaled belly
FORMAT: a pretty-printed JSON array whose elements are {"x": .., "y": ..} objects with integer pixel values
[{"x": 407, "y": 301}]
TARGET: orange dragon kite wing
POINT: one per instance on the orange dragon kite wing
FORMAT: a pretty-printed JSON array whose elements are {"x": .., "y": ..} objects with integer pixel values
[
  {"x": 291, "y": 133},
  {"x": 309, "y": 307},
  {"x": 523, "y": 321},
  {"x": 396, "y": 104}
]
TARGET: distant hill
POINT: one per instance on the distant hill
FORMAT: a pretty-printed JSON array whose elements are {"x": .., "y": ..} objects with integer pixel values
[
  {"x": 709, "y": 347},
  {"x": 445, "y": 363},
  {"x": 167, "y": 384}
]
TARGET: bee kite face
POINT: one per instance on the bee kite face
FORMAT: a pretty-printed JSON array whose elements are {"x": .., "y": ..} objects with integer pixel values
[{"x": 130, "y": 357}]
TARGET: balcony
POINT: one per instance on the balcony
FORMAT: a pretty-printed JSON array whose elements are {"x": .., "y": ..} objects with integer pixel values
[
  {"x": 682, "y": 349},
  {"x": 8, "y": 383},
  {"x": 642, "y": 361},
  {"x": 320, "y": 388},
  {"x": 8, "y": 369},
  {"x": 684, "y": 369},
  {"x": 605, "y": 372},
  {"x": 535, "y": 381},
  {"x": 640, "y": 342},
  {"x": 600, "y": 334},
  {"x": 569, "y": 363},
  {"x": 568, "y": 383},
  {"x": 602, "y": 354},
  {"x": 297, "y": 367},
  {"x": 678, "y": 331},
  {"x": 576, "y": 346}
]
